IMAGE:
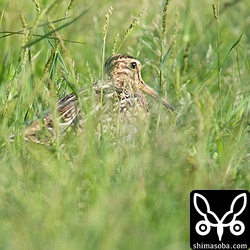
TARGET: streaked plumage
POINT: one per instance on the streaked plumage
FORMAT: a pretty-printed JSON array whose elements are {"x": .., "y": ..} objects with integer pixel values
[{"x": 123, "y": 88}]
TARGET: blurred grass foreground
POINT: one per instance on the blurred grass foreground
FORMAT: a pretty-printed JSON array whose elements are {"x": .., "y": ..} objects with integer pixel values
[{"x": 91, "y": 191}]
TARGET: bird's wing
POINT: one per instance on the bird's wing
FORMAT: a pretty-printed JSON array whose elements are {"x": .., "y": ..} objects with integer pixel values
[
  {"x": 68, "y": 109},
  {"x": 67, "y": 112}
]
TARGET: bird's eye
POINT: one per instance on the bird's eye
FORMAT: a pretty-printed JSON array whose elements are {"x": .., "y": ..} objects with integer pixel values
[{"x": 133, "y": 65}]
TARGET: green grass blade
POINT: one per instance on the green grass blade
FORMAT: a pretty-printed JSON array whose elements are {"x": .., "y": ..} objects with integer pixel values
[
  {"x": 57, "y": 29},
  {"x": 230, "y": 50},
  {"x": 166, "y": 56}
]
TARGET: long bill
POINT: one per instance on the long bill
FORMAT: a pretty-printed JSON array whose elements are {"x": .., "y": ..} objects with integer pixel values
[{"x": 144, "y": 87}]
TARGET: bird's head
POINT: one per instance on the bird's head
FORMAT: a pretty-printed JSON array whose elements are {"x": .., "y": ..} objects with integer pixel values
[{"x": 125, "y": 72}]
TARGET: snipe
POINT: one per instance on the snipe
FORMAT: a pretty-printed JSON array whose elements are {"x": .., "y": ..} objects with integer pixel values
[{"x": 123, "y": 87}]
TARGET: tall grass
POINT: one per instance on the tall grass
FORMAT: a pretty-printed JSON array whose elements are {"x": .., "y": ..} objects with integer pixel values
[{"x": 90, "y": 191}]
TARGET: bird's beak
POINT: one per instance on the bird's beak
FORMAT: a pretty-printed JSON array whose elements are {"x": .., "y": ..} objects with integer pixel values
[{"x": 144, "y": 87}]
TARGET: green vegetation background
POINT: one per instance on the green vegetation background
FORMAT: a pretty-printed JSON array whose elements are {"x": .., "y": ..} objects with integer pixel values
[{"x": 87, "y": 192}]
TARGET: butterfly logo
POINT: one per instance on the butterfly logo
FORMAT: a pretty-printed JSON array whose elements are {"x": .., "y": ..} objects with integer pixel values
[{"x": 236, "y": 227}]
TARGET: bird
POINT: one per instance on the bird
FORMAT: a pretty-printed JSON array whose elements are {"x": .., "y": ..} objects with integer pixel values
[{"x": 122, "y": 92}]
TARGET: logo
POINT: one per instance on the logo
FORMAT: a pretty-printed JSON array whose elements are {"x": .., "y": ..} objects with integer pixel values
[{"x": 219, "y": 219}]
